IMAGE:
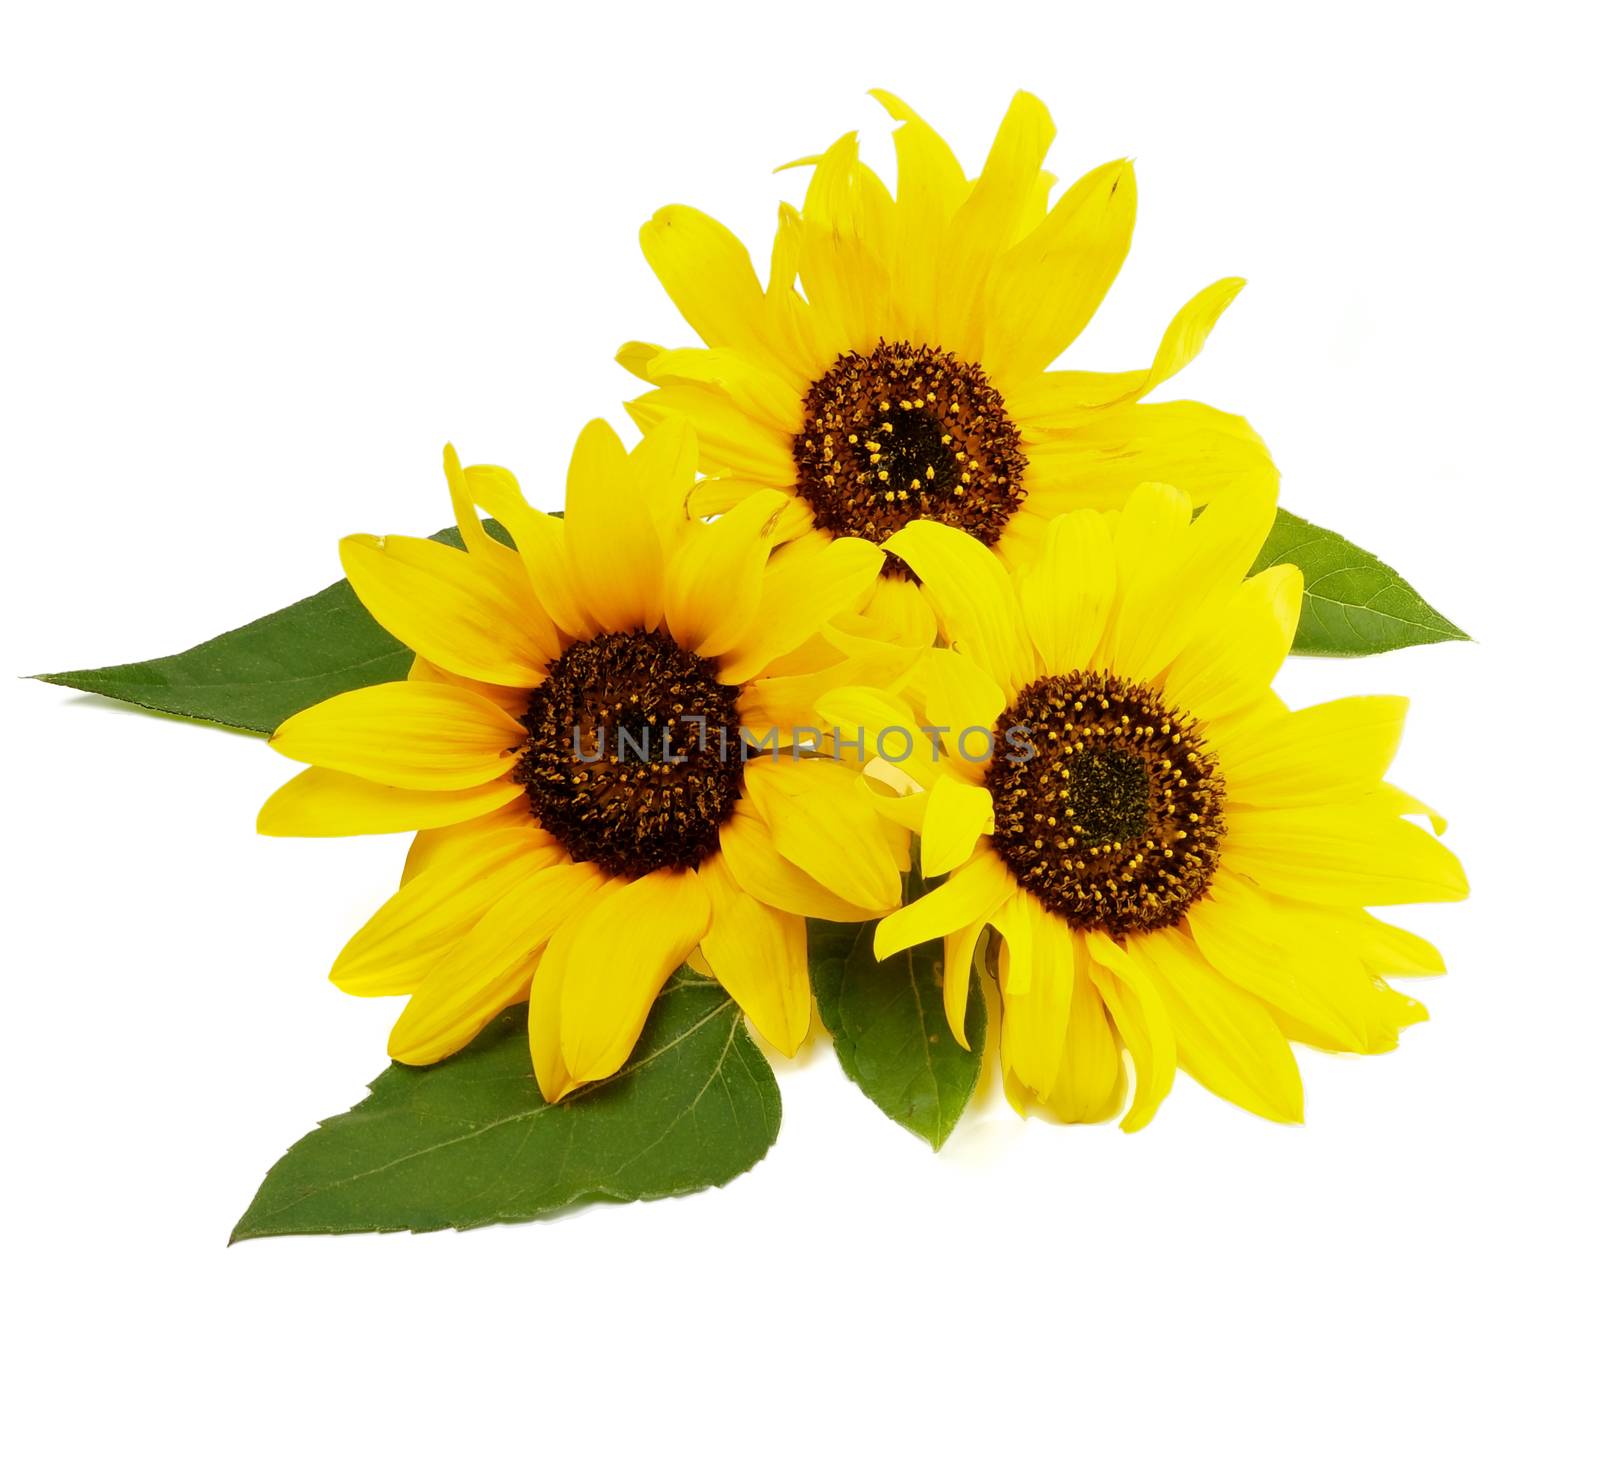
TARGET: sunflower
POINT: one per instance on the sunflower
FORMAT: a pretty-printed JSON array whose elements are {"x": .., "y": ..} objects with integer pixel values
[
  {"x": 910, "y": 379},
  {"x": 568, "y": 748},
  {"x": 1173, "y": 861}
]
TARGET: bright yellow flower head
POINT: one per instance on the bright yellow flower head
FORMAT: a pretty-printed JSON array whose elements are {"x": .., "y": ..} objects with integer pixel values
[
  {"x": 568, "y": 749},
  {"x": 1174, "y": 861},
  {"x": 908, "y": 376}
]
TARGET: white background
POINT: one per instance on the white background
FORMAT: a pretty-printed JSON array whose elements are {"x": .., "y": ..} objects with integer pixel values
[{"x": 259, "y": 263}]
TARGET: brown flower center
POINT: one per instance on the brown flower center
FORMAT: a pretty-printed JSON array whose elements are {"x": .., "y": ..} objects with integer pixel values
[
  {"x": 907, "y": 432},
  {"x": 1115, "y": 820},
  {"x": 633, "y": 758}
]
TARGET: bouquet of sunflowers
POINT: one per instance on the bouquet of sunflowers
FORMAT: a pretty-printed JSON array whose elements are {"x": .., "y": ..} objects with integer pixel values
[{"x": 893, "y": 685}]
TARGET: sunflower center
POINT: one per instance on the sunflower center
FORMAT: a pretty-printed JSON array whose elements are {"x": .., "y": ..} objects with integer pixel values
[
  {"x": 907, "y": 432},
  {"x": 1115, "y": 820},
  {"x": 633, "y": 759}
]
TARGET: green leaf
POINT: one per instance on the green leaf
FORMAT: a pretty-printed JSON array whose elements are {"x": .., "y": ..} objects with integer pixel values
[
  {"x": 256, "y": 676},
  {"x": 470, "y": 1141},
  {"x": 889, "y": 1029},
  {"x": 1354, "y": 604}
]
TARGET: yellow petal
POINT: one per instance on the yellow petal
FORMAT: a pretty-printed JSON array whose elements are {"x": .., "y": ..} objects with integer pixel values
[
  {"x": 637, "y": 355},
  {"x": 664, "y": 463},
  {"x": 1390, "y": 1013},
  {"x": 931, "y": 166},
  {"x": 447, "y": 605},
  {"x": 1073, "y": 397},
  {"x": 1334, "y": 1002},
  {"x": 1335, "y": 751},
  {"x": 626, "y": 947},
  {"x": 426, "y": 736},
  {"x": 958, "y": 814},
  {"x": 794, "y": 333},
  {"x": 754, "y": 385},
  {"x": 329, "y": 803},
  {"x": 476, "y": 538},
  {"x": 1015, "y": 925},
  {"x": 1137, "y": 1008},
  {"x": 895, "y": 835},
  {"x": 787, "y": 705},
  {"x": 1190, "y": 328},
  {"x": 514, "y": 701},
  {"x": 1175, "y": 574},
  {"x": 1402, "y": 804},
  {"x": 1206, "y": 452},
  {"x": 712, "y": 496},
  {"x": 1034, "y": 1027},
  {"x": 441, "y": 844},
  {"x": 1044, "y": 290},
  {"x": 1147, "y": 534},
  {"x": 1067, "y": 595},
  {"x": 974, "y": 893},
  {"x": 929, "y": 186},
  {"x": 844, "y": 248},
  {"x": 868, "y": 724},
  {"x": 959, "y": 948},
  {"x": 612, "y": 541},
  {"x": 823, "y": 824},
  {"x": 990, "y": 219},
  {"x": 1355, "y": 854},
  {"x": 492, "y": 965},
  {"x": 545, "y": 991},
  {"x": 396, "y": 949},
  {"x": 1230, "y": 661},
  {"x": 804, "y": 586},
  {"x": 961, "y": 704},
  {"x": 1090, "y": 1083},
  {"x": 714, "y": 581},
  {"x": 1226, "y": 1039},
  {"x": 898, "y": 611},
  {"x": 707, "y": 273},
  {"x": 1388, "y": 950},
  {"x": 758, "y": 953},
  {"x": 1268, "y": 952},
  {"x": 416, "y": 1043},
  {"x": 496, "y": 490},
  {"x": 765, "y": 874},
  {"x": 974, "y": 598},
  {"x": 731, "y": 443},
  {"x": 905, "y": 809},
  {"x": 541, "y": 542}
]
